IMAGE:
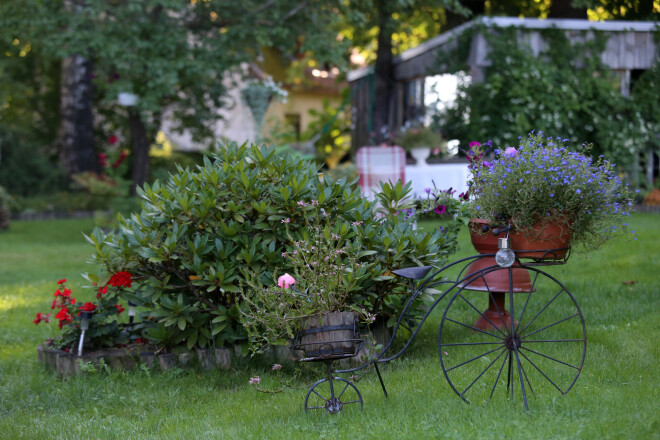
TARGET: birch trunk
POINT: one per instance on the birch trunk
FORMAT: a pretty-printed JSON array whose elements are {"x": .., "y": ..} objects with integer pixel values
[{"x": 76, "y": 132}]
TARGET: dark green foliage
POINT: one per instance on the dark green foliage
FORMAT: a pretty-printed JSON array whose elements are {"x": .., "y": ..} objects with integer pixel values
[
  {"x": 26, "y": 169},
  {"x": 200, "y": 229},
  {"x": 575, "y": 97},
  {"x": 162, "y": 167}
]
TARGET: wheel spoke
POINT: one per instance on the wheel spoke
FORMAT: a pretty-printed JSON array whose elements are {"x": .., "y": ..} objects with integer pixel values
[
  {"x": 481, "y": 313},
  {"x": 499, "y": 313},
  {"x": 497, "y": 379},
  {"x": 342, "y": 391},
  {"x": 469, "y": 343},
  {"x": 350, "y": 401},
  {"x": 475, "y": 358},
  {"x": 482, "y": 373},
  {"x": 548, "y": 326},
  {"x": 490, "y": 296},
  {"x": 554, "y": 340},
  {"x": 542, "y": 373},
  {"x": 520, "y": 374},
  {"x": 529, "y": 384},
  {"x": 542, "y": 310},
  {"x": 549, "y": 357},
  {"x": 508, "y": 375},
  {"x": 475, "y": 329},
  {"x": 324, "y": 399},
  {"x": 529, "y": 295}
]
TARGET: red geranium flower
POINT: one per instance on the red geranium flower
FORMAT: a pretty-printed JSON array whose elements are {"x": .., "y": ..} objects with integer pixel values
[
  {"x": 41, "y": 317},
  {"x": 103, "y": 290},
  {"x": 120, "y": 308},
  {"x": 112, "y": 139},
  {"x": 103, "y": 160},
  {"x": 61, "y": 281},
  {"x": 64, "y": 317},
  {"x": 88, "y": 307},
  {"x": 119, "y": 279}
]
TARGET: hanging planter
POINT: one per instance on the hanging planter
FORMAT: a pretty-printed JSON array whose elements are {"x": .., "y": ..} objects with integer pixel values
[{"x": 258, "y": 96}]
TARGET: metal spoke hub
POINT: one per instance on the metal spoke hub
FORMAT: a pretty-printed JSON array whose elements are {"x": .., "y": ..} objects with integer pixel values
[
  {"x": 513, "y": 342},
  {"x": 333, "y": 405}
]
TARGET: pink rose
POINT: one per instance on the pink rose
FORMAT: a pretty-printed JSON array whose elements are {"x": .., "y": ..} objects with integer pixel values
[{"x": 285, "y": 281}]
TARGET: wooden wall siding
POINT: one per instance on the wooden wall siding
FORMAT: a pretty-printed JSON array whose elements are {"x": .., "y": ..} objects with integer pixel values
[
  {"x": 630, "y": 51},
  {"x": 624, "y": 50}
]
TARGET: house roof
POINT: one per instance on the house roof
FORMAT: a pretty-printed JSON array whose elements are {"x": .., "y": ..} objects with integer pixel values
[{"x": 445, "y": 39}]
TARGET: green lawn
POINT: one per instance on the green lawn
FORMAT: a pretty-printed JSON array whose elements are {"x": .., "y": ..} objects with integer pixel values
[{"x": 616, "y": 396}]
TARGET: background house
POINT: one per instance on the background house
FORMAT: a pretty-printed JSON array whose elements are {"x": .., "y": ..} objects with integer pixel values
[{"x": 285, "y": 118}]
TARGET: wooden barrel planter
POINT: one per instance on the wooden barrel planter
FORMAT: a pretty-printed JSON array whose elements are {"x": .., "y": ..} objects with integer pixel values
[{"x": 331, "y": 335}]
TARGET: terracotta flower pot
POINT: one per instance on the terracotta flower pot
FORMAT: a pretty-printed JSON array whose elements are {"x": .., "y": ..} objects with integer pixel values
[
  {"x": 496, "y": 280},
  {"x": 546, "y": 241},
  {"x": 483, "y": 242}
]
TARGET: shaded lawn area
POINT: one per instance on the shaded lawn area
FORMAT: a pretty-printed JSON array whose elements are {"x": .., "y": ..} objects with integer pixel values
[{"x": 616, "y": 396}]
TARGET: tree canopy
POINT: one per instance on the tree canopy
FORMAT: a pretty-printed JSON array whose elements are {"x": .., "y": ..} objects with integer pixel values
[{"x": 174, "y": 56}]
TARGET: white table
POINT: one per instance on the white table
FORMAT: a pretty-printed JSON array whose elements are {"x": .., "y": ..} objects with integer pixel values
[{"x": 453, "y": 175}]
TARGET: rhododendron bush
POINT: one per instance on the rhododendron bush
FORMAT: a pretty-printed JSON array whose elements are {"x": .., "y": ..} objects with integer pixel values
[{"x": 201, "y": 230}]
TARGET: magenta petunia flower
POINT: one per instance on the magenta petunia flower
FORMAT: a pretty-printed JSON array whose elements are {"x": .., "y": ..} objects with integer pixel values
[{"x": 440, "y": 209}]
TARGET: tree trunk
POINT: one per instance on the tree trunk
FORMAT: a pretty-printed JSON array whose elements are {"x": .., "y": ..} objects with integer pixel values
[
  {"x": 140, "y": 144},
  {"x": 564, "y": 9},
  {"x": 453, "y": 19},
  {"x": 384, "y": 72},
  {"x": 76, "y": 133}
]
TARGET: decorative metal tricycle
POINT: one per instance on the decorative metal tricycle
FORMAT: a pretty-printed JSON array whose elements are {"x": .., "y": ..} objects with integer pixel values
[
  {"x": 530, "y": 337},
  {"x": 336, "y": 338}
]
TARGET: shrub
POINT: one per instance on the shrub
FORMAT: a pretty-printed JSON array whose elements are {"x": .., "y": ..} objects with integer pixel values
[
  {"x": 198, "y": 231},
  {"x": 26, "y": 169}
]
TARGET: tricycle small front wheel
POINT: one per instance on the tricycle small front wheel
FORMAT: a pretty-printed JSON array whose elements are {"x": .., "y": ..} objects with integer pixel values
[{"x": 332, "y": 395}]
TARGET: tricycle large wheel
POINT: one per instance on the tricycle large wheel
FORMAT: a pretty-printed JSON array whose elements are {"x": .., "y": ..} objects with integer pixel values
[
  {"x": 535, "y": 347},
  {"x": 332, "y": 395}
]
